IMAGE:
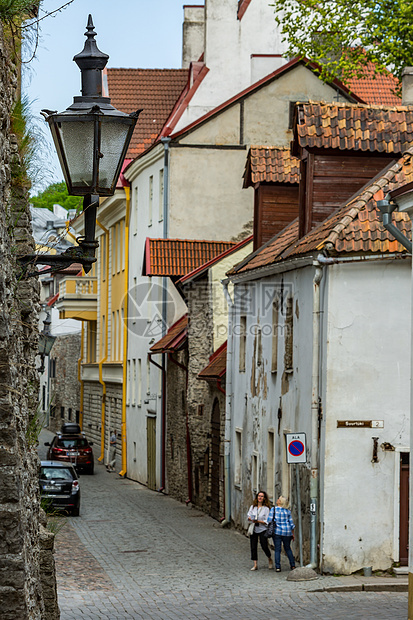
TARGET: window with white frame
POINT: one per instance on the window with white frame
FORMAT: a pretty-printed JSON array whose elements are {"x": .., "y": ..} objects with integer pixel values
[
  {"x": 139, "y": 382},
  {"x": 288, "y": 335},
  {"x": 135, "y": 212},
  {"x": 150, "y": 209},
  {"x": 148, "y": 376},
  {"x": 254, "y": 472},
  {"x": 271, "y": 464},
  {"x": 134, "y": 382},
  {"x": 242, "y": 342},
  {"x": 238, "y": 458},
  {"x": 128, "y": 378},
  {"x": 161, "y": 191},
  {"x": 275, "y": 327}
]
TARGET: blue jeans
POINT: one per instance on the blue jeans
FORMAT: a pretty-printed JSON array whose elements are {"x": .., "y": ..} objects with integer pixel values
[{"x": 286, "y": 541}]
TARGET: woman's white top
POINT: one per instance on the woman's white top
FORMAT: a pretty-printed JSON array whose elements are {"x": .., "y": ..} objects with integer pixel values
[{"x": 261, "y": 514}]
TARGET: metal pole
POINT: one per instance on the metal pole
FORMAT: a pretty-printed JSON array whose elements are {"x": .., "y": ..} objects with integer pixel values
[{"x": 300, "y": 530}]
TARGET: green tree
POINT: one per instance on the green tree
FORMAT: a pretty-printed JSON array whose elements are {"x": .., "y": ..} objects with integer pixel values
[
  {"x": 343, "y": 35},
  {"x": 56, "y": 194}
]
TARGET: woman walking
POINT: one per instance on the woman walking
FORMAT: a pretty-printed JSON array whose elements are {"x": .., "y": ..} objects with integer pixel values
[
  {"x": 283, "y": 532},
  {"x": 258, "y": 515}
]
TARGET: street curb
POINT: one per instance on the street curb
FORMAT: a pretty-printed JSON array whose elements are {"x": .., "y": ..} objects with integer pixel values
[{"x": 367, "y": 587}]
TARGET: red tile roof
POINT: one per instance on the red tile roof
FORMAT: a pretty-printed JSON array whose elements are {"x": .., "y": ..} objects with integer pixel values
[
  {"x": 353, "y": 126},
  {"x": 155, "y": 91},
  {"x": 376, "y": 89},
  {"x": 202, "y": 268},
  {"x": 242, "y": 7},
  {"x": 177, "y": 257},
  {"x": 217, "y": 366},
  {"x": 174, "y": 338},
  {"x": 355, "y": 227},
  {"x": 271, "y": 164}
]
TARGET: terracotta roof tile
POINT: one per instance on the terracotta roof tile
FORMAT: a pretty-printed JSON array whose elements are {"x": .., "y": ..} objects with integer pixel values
[
  {"x": 217, "y": 366},
  {"x": 174, "y": 338},
  {"x": 177, "y": 257},
  {"x": 379, "y": 89},
  {"x": 355, "y": 227},
  {"x": 155, "y": 91},
  {"x": 353, "y": 126},
  {"x": 271, "y": 164}
]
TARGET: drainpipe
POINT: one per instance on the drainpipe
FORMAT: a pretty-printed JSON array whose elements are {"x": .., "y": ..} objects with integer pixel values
[
  {"x": 188, "y": 437},
  {"x": 228, "y": 410},
  {"x": 105, "y": 352},
  {"x": 314, "y": 481},
  {"x": 386, "y": 208},
  {"x": 165, "y": 142},
  {"x": 125, "y": 334}
]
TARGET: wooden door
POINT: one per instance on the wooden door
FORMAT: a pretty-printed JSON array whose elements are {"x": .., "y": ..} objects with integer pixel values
[
  {"x": 151, "y": 451},
  {"x": 404, "y": 509},
  {"x": 215, "y": 459}
]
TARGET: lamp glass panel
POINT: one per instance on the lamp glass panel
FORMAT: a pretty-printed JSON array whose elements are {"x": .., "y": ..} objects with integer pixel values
[
  {"x": 78, "y": 138},
  {"x": 112, "y": 141}
]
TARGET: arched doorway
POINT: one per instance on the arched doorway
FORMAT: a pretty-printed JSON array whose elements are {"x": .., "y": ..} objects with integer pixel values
[{"x": 215, "y": 459}]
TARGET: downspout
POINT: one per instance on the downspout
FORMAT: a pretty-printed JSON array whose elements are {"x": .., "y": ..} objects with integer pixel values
[
  {"x": 163, "y": 404},
  {"x": 79, "y": 375},
  {"x": 105, "y": 352},
  {"x": 386, "y": 208},
  {"x": 165, "y": 142},
  {"x": 188, "y": 437},
  {"x": 314, "y": 481},
  {"x": 228, "y": 411},
  {"x": 125, "y": 334}
]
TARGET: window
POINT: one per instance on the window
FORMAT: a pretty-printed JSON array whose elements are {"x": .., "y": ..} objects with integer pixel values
[
  {"x": 242, "y": 342},
  {"x": 135, "y": 213},
  {"x": 238, "y": 457},
  {"x": 113, "y": 235},
  {"x": 271, "y": 464},
  {"x": 161, "y": 191},
  {"x": 103, "y": 336},
  {"x": 62, "y": 412},
  {"x": 103, "y": 257},
  {"x": 254, "y": 472},
  {"x": 275, "y": 326},
  {"x": 122, "y": 244},
  {"x": 150, "y": 209},
  {"x": 128, "y": 382},
  {"x": 69, "y": 414},
  {"x": 91, "y": 341},
  {"x": 53, "y": 368},
  {"x": 118, "y": 332},
  {"x": 139, "y": 383},
  {"x": 148, "y": 376},
  {"x": 288, "y": 335},
  {"x": 134, "y": 382},
  {"x": 112, "y": 333},
  {"x": 118, "y": 246}
]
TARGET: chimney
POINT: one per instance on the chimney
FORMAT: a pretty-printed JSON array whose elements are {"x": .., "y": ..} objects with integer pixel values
[
  {"x": 193, "y": 34},
  {"x": 407, "y": 86}
]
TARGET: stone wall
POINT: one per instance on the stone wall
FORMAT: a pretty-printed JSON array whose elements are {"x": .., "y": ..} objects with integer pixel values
[
  {"x": 92, "y": 416},
  {"x": 20, "y": 583},
  {"x": 64, "y": 385}
]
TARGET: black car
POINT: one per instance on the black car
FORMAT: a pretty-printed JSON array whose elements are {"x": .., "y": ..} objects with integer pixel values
[
  {"x": 59, "y": 486},
  {"x": 72, "y": 447}
]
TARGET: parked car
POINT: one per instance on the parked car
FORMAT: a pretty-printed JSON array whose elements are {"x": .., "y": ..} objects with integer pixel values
[
  {"x": 59, "y": 486},
  {"x": 72, "y": 447}
]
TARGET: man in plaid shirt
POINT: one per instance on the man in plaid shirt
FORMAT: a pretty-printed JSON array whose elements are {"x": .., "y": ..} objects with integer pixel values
[{"x": 283, "y": 532}]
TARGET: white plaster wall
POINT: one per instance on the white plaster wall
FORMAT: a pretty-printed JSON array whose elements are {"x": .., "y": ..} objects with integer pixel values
[
  {"x": 368, "y": 359},
  {"x": 206, "y": 196},
  {"x": 229, "y": 44},
  {"x": 144, "y": 328}
]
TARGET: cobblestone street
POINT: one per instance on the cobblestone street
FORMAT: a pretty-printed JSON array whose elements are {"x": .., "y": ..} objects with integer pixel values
[{"x": 135, "y": 553}]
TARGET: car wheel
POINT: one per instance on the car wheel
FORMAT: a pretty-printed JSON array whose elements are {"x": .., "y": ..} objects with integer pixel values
[{"x": 75, "y": 511}]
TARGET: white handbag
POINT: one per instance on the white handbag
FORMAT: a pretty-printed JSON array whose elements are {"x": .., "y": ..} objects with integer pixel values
[{"x": 250, "y": 529}]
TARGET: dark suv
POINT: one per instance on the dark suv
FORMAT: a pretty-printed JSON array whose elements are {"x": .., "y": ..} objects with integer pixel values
[
  {"x": 72, "y": 447},
  {"x": 59, "y": 486}
]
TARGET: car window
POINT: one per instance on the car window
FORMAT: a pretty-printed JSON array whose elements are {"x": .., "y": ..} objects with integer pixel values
[
  {"x": 76, "y": 442},
  {"x": 56, "y": 473}
]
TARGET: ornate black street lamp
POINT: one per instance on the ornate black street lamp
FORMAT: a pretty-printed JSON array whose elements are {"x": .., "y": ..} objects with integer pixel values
[{"x": 91, "y": 138}]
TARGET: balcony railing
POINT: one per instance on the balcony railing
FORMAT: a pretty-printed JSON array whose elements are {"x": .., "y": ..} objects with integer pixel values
[{"x": 78, "y": 298}]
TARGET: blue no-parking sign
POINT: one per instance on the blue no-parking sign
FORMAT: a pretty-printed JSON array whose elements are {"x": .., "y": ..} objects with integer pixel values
[{"x": 296, "y": 447}]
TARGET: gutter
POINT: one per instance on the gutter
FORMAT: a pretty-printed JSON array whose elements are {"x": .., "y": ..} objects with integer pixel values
[
  {"x": 386, "y": 208},
  {"x": 105, "y": 352},
  {"x": 125, "y": 336}
]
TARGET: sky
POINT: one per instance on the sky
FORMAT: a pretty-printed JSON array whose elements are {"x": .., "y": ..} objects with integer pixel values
[{"x": 134, "y": 33}]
